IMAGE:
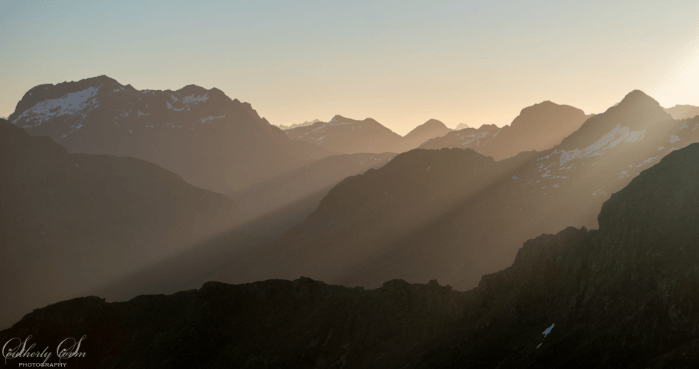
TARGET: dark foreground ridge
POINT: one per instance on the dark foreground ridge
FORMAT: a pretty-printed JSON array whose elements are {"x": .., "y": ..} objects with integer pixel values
[{"x": 623, "y": 296}]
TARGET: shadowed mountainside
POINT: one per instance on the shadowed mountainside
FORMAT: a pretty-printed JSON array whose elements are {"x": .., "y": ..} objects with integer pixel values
[
  {"x": 310, "y": 182},
  {"x": 623, "y": 296},
  {"x": 70, "y": 222},
  {"x": 442, "y": 213}
]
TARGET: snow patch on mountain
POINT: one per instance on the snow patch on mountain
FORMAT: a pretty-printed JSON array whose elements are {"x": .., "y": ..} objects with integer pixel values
[
  {"x": 169, "y": 106},
  {"x": 647, "y": 161},
  {"x": 193, "y": 99},
  {"x": 71, "y": 103},
  {"x": 616, "y": 136},
  {"x": 211, "y": 118}
]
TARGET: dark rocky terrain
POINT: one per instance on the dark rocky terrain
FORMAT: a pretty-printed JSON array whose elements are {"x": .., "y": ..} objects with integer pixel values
[
  {"x": 623, "y": 296},
  {"x": 210, "y": 140}
]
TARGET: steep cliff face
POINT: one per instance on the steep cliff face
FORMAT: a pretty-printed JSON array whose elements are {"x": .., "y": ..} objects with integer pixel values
[{"x": 623, "y": 296}]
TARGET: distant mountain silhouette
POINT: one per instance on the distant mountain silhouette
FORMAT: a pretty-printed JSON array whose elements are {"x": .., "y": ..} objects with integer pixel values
[
  {"x": 538, "y": 127},
  {"x": 349, "y": 136},
  {"x": 441, "y": 213},
  {"x": 623, "y": 296},
  {"x": 683, "y": 111},
  {"x": 461, "y": 126},
  {"x": 212, "y": 141},
  {"x": 426, "y": 131},
  {"x": 304, "y": 124},
  {"x": 70, "y": 222},
  {"x": 467, "y": 138}
]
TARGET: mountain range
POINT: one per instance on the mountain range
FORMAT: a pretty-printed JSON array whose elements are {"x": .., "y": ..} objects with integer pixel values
[
  {"x": 210, "y": 140},
  {"x": 622, "y": 296},
  {"x": 538, "y": 127},
  {"x": 349, "y": 136},
  {"x": 441, "y": 213},
  {"x": 355, "y": 205}
]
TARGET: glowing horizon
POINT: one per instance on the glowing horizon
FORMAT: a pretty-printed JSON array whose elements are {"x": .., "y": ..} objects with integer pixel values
[{"x": 396, "y": 62}]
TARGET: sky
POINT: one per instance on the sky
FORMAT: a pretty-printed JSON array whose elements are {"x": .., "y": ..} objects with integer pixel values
[{"x": 399, "y": 62}]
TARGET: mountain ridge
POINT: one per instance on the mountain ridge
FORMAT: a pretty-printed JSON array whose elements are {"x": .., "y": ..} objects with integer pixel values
[{"x": 211, "y": 140}]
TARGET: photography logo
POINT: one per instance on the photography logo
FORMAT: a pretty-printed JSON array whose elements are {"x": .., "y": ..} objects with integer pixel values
[{"x": 28, "y": 356}]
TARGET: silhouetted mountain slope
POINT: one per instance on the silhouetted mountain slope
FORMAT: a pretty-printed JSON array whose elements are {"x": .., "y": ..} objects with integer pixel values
[
  {"x": 348, "y": 136},
  {"x": 210, "y": 140},
  {"x": 367, "y": 217},
  {"x": 538, "y": 127},
  {"x": 455, "y": 215},
  {"x": 683, "y": 111},
  {"x": 623, "y": 296},
  {"x": 311, "y": 181},
  {"x": 424, "y": 132},
  {"x": 70, "y": 222}
]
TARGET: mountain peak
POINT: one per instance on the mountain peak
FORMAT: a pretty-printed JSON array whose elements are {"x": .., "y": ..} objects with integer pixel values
[
  {"x": 636, "y": 97},
  {"x": 338, "y": 118},
  {"x": 635, "y": 112},
  {"x": 435, "y": 123}
]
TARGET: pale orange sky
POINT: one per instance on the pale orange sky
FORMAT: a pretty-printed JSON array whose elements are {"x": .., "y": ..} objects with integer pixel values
[{"x": 398, "y": 62}]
